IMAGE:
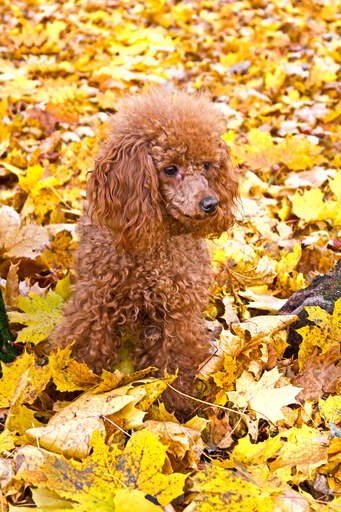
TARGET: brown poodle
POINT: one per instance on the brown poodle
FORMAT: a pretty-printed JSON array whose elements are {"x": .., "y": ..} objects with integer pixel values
[{"x": 162, "y": 181}]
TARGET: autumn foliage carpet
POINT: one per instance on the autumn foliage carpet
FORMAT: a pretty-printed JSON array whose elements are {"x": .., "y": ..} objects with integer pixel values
[{"x": 265, "y": 436}]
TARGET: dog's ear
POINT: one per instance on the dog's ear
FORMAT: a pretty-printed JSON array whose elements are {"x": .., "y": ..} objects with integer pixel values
[
  {"x": 225, "y": 183},
  {"x": 123, "y": 194}
]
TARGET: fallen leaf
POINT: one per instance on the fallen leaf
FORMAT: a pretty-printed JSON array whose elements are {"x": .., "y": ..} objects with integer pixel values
[
  {"x": 40, "y": 315},
  {"x": 18, "y": 241},
  {"x": 321, "y": 375},
  {"x": 262, "y": 397},
  {"x": 104, "y": 473}
]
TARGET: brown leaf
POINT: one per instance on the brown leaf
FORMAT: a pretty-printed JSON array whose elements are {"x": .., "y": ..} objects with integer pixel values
[
  {"x": 321, "y": 375},
  {"x": 20, "y": 241}
]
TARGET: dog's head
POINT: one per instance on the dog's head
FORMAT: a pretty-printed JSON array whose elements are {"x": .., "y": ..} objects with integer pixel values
[{"x": 163, "y": 164}]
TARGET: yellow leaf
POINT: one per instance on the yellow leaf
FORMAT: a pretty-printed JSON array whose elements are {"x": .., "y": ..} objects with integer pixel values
[
  {"x": 335, "y": 185},
  {"x": 228, "y": 344},
  {"x": 154, "y": 390},
  {"x": 68, "y": 374},
  {"x": 181, "y": 441},
  {"x": 140, "y": 466},
  {"x": 262, "y": 140},
  {"x": 263, "y": 397},
  {"x": 305, "y": 449},
  {"x": 289, "y": 261},
  {"x": 11, "y": 374},
  {"x": 298, "y": 153},
  {"x": 261, "y": 326},
  {"x": 260, "y": 153},
  {"x": 322, "y": 70},
  {"x": 53, "y": 30},
  {"x": 262, "y": 298},
  {"x": 31, "y": 383},
  {"x": 309, "y": 206},
  {"x": 12, "y": 168},
  {"x": 69, "y": 431},
  {"x": 331, "y": 408},
  {"x": 48, "y": 501},
  {"x": 32, "y": 177},
  {"x": 275, "y": 78},
  {"x": 111, "y": 380},
  {"x": 256, "y": 453},
  {"x": 63, "y": 288},
  {"x": 333, "y": 211},
  {"x": 19, "y": 419},
  {"x": 223, "y": 489},
  {"x": 226, "y": 379},
  {"x": 107, "y": 99},
  {"x": 7, "y": 441},
  {"x": 94, "y": 482},
  {"x": 133, "y": 499},
  {"x": 325, "y": 332},
  {"x": 40, "y": 315}
]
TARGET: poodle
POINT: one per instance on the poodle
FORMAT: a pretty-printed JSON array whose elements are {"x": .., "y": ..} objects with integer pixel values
[{"x": 162, "y": 181}]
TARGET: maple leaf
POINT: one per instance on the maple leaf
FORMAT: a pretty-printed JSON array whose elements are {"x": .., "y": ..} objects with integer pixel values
[
  {"x": 298, "y": 153},
  {"x": 321, "y": 375},
  {"x": 68, "y": 374},
  {"x": 19, "y": 419},
  {"x": 256, "y": 453},
  {"x": 262, "y": 326},
  {"x": 111, "y": 380},
  {"x": 309, "y": 205},
  {"x": 105, "y": 473},
  {"x": 20, "y": 385},
  {"x": 241, "y": 337},
  {"x": 140, "y": 466},
  {"x": 18, "y": 241},
  {"x": 40, "y": 315},
  {"x": 263, "y": 397},
  {"x": 260, "y": 152},
  {"x": 305, "y": 449},
  {"x": 234, "y": 489},
  {"x": 249, "y": 268},
  {"x": 282, "y": 116}
]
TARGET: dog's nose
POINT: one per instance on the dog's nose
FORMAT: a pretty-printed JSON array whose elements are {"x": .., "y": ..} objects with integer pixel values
[{"x": 208, "y": 204}]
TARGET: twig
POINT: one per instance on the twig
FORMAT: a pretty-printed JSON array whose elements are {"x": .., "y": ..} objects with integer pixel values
[
  {"x": 210, "y": 404},
  {"x": 115, "y": 425}
]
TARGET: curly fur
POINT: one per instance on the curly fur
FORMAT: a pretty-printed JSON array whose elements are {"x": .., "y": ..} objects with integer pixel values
[{"x": 142, "y": 265}]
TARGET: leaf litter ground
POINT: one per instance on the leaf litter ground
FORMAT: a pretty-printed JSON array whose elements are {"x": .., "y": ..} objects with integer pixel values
[{"x": 74, "y": 440}]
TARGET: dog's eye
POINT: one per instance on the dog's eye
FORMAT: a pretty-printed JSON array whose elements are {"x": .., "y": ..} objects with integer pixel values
[
  {"x": 172, "y": 170},
  {"x": 206, "y": 165}
]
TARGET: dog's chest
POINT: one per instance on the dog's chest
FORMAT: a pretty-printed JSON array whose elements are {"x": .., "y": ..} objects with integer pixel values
[{"x": 179, "y": 259}]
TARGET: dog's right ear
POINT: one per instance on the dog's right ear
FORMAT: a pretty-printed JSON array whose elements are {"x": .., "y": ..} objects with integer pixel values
[{"x": 123, "y": 194}]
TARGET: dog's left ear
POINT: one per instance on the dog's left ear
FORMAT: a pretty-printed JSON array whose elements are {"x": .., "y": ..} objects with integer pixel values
[
  {"x": 227, "y": 188},
  {"x": 123, "y": 194}
]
